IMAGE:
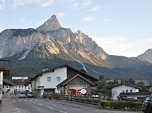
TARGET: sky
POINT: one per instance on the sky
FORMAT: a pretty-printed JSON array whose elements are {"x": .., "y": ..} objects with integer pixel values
[{"x": 120, "y": 27}]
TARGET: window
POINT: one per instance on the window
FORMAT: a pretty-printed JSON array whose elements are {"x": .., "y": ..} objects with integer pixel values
[
  {"x": 58, "y": 79},
  {"x": 126, "y": 90},
  {"x": 49, "y": 79},
  {"x": 131, "y": 90}
]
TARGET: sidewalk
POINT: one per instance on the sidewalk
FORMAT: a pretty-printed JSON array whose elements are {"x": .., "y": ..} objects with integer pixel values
[{"x": 7, "y": 106}]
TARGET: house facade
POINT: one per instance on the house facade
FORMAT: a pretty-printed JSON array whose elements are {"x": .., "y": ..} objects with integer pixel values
[
  {"x": 8, "y": 86},
  {"x": 49, "y": 80},
  {"x": 135, "y": 95},
  {"x": 21, "y": 85},
  {"x": 122, "y": 88},
  {"x": 76, "y": 86}
]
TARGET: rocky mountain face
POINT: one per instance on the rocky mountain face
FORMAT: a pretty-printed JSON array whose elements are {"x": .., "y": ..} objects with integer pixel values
[
  {"x": 54, "y": 39},
  {"x": 50, "y": 24},
  {"x": 146, "y": 56},
  {"x": 30, "y": 50}
]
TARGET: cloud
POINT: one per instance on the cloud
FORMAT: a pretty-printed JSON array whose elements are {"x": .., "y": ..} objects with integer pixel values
[
  {"x": 107, "y": 20},
  {"x": 123, "y": 46},
  {"x": 45, "y": 3},
  {"x": 80, "y": 3},
  {"x": 0, "y": 29},
  {"x": 42, "y": 3},
  {"x": 17, "y": 3},
  {"x": 96, "y": 8},
  {"x": 88, "y": 19},
  {"x": 60, "y": 14},
  {"x": 2, "y": 3}
]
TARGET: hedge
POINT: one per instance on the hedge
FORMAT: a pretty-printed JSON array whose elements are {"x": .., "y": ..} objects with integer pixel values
[{"x": 121, "y": 105}]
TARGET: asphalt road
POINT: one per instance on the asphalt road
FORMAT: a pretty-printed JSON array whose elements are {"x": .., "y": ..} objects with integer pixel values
[{"x": 32, "y": 105}]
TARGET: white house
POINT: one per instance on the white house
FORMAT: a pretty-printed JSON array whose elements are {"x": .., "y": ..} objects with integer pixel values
[
  {"x": 7, "y": 86},
  {"x": 21, "y": 88},
  {"x": 48, "y": 80},
  {"x": 21, "y": 85},
  {"x": 116, "y": 90}
]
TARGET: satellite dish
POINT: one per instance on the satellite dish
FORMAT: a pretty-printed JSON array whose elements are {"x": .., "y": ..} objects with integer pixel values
[{"x": 83, "y": 91}]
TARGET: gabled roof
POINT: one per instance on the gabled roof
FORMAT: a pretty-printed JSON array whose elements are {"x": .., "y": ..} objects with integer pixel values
[
  {"x": 126, "y": 85},
  {"x": 61, "y": 66},
  {"x": 21, "y": 81},
  {"x": 72, "y": 78},
  {"x": 8, "y": 82}
]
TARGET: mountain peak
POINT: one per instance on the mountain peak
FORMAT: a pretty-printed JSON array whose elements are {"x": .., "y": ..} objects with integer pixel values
[
  {"x": 146, "y": 56},
  {"x": 51, "y": 24}
]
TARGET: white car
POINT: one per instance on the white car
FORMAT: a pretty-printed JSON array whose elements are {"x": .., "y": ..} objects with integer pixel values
[{"x": 22, "y": 95}]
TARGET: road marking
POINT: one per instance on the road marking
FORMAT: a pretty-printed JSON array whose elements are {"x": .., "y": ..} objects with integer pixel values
[
  {"x": 40, "y": 104},
  {"x": 46, "y": 106},
  {"x": 50, "y": 107},
  {"x": 25, "y": 100},
  {"x": 62, "y": 111},
  {"x": 19, "y": 100}
]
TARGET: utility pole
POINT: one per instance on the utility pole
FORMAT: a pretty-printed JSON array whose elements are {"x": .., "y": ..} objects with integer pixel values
[{"x": 1, "y": 85}]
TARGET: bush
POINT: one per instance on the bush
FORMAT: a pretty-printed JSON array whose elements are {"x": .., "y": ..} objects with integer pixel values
[{"x": 121, "y": 105}]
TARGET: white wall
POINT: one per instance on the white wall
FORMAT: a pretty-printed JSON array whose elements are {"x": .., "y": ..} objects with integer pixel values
[
  {"x": 42, "y": 80},
  {"x": 122, "y": 88},
  {"x": 19, "y": 88}
]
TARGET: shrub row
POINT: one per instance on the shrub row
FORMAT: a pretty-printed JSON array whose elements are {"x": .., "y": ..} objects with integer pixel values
[
  {"x": 121, "y": 105},
  {"x": 109, "y": 104},
  {"x": 93, "y": 101}
]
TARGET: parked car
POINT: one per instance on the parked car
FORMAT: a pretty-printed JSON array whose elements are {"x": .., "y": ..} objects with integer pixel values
[
  {"x": 22, "y": 95},
  {"x": 53, "y": 95},
  {"x": 30, "y": 95},
  {"x": 45, "y": 95},
  {"x": 147, "y": 105}
]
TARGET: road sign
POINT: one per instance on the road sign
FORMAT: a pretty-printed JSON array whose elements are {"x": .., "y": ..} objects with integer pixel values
[{"x": 83, "y": 91}]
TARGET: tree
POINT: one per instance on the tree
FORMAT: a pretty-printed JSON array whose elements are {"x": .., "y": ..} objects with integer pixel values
[
  {"x": 104, "y": 87},
  {"x": 142, "y": 87},
  {"x": 131, "y": 81}
]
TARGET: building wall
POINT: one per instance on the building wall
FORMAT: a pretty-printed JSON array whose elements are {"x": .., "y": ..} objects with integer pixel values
[
  {"x": 33, "y": 85},
  {"x": 150, "y": 89},
  {"x": 45, "y": 84},
  {"x": 18, "y": 88},
  {"x": 6, "y": 88},
  {"x": 122, "y": 88},
  {"x": 74, "y": 87}
]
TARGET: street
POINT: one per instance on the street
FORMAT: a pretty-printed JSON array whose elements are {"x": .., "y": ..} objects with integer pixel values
[{"x": 33, "y": 105}]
